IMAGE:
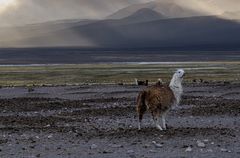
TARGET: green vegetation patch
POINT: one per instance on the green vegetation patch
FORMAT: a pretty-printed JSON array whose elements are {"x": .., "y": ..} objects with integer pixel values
[{"x": 115, "y": 73}]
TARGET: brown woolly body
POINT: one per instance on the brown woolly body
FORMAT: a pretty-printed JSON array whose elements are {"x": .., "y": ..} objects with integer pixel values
[{"x": 157, "y": 99}]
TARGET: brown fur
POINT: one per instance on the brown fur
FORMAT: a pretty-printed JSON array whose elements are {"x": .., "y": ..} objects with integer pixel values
[{"x": 158, "y": 99}]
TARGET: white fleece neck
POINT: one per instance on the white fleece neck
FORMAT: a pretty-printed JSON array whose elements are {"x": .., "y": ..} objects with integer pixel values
[{"x": 176, "y": 87}]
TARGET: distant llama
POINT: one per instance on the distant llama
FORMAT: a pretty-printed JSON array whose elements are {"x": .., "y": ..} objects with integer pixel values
[{"x": 141, "y": 83}]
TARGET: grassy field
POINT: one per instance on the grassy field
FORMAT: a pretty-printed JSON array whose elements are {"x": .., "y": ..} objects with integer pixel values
[{"x": 115, "y": 73}]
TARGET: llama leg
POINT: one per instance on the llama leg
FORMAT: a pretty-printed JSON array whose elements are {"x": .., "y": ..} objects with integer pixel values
[
  {"x": 164, "y": 121},
  {"x": 158, "y": 125},
  {"x": 139, "y": 122},
  {"x": 156, "y": 120},
  {"x": 141, "y": 108},
  {"x": 140, "y": 117}
]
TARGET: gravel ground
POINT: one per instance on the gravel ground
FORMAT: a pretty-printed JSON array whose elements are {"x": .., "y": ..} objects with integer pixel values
[{"x": 100, "y": 121}]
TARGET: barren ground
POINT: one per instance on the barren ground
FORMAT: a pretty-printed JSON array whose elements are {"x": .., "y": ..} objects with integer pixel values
[{"x": 100, "y": 121}]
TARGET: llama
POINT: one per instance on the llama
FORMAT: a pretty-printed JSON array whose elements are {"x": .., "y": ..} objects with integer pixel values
[
  {"x": 159, "y": 82},
  {"x": 159, "y": 99},
  {"x": 141, "y": 83}
]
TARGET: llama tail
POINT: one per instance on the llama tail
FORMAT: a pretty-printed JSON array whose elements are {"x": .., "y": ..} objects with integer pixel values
[{"x": 141, "y": 107}]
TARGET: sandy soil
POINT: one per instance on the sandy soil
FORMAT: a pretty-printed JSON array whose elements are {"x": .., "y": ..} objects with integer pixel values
[{"x": 100, "y": 121}]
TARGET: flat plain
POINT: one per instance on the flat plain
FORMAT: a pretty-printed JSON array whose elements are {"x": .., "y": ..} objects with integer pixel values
[{"x": 88, "y": 110}]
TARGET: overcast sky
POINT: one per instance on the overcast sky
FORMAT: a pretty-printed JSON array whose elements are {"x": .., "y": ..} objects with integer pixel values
[{"x": 15, "y": 12}]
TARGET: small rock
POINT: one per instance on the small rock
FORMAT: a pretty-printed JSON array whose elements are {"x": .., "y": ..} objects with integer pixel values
[
  {"x": 209, "y": 150},
  {"x": 130, "y": 151},
  {"x": 146, "y": 146},
  {"x": 205, "y": 140},
  {"x": 93, "y": 146},
  {"x": 48, "y": 125},
  {"x": 106, "y": 152},
  {"x": 152, "y": 151},
  {"x": 116, "y": 146},
  {"x": 200, "y": 144},
  {"x": 50, "y": 136},
  {"x": 225, "y": 150},
  {"x": 157, "y": 145},
  {"x": 32, "y": 147},
  {"x": 189, "y": 149}
]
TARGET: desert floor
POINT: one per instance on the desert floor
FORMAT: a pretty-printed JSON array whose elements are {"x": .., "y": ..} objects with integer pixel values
[{"x": 100, "y": 121}]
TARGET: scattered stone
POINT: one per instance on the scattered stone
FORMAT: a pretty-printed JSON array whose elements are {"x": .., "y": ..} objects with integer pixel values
[
  {"x": 93, "y": 146},
  {"x": 209, "y": 150},
  {"x": 205, "y": 140},
  {"x": 225, "y": 150},
  {"x": 116, "y": 146},
  {"x": 50, "y": 136},
  {"x": 152, "y": 151},
  {"x": 146, "y": 146},
  {"x": 48, "y": 125},
  {"x": 106, "y": 152},
  {"x": 200, "y": 144},
  {"x": 189, "y": 149},
  {"x": 130, "y": 151},
  {"x": 32, "y": 147},
  {"x": 157, "y": 145}
]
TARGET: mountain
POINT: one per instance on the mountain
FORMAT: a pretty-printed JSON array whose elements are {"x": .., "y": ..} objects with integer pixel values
[
  {"x": 162, "y": 25},
  {"x": 166, "y": 8},
  {"x": 192, "y": 32}
]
